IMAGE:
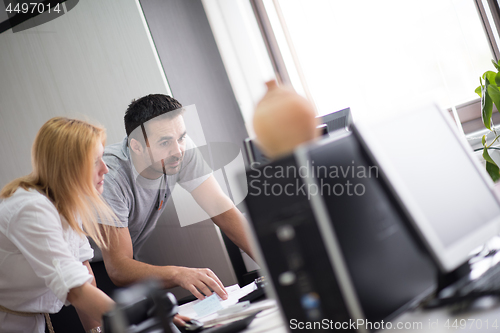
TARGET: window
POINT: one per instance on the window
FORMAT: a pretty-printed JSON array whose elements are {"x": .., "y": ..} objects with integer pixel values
[{"x": 379, "y": 57}]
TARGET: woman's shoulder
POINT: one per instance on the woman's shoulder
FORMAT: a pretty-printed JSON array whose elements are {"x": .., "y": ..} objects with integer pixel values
[
  {"x": 24, "y": 198},
  {"x": 27, "y": 207}
]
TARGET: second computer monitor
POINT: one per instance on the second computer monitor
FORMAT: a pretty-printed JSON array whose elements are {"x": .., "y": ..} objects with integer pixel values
[
  {"x": 338, "y": 120},
  {"x": 447, "y": 194}
]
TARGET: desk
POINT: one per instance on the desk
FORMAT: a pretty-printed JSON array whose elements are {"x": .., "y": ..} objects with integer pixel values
[
  {"x": 269, "y": 322},
  {"x": 442, "y": 320},
  {"x": 436, "y": 321}
]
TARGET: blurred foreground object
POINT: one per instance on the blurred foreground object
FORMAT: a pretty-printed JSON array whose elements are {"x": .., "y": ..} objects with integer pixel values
[
  {"x": 282, "y": 120},
  {"x": 142, "y": 308}
]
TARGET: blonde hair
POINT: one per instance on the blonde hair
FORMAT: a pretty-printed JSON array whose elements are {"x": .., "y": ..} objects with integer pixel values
[{"x": 62, "y": 160}]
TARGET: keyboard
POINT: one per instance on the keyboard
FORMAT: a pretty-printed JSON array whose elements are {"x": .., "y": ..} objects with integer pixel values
[{"x": 467, "y": 290}]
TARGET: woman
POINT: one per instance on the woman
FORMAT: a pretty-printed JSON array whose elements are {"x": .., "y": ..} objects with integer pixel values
[{"x": 44, "y": 218}]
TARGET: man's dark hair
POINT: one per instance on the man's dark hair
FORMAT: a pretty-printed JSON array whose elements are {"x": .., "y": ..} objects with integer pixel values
[{"x": 149, "y": 107}]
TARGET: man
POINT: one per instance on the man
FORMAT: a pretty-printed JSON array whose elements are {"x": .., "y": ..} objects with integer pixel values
[{"x": 156, "y": 155}]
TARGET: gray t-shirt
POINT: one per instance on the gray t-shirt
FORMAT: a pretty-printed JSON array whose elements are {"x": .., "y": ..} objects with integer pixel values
[{"x": 137, "y": 201}]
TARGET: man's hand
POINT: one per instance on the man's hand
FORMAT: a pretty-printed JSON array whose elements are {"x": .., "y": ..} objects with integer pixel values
[
  {"x": 198, "y": 281},
  {"x": 124, "y": 270}
]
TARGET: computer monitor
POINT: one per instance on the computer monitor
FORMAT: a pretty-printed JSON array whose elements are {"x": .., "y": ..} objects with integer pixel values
[
  {"x": 334, "y": 238},
  {"x": 254, "y": 152},
  {"x": 330, "y": 123},
  {"x": 446, "y": 193},
  {"x": 337, "y": 120}
]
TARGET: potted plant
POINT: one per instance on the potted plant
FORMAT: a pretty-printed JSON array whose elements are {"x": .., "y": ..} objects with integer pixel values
[{"x": 490, "y": 94}]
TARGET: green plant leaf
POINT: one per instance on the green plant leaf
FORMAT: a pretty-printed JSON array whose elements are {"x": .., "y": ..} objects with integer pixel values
[
  {"x": 494, "y": 95},
  {"x": 497, "y": 66},
  {"x": 487, "y": 157},
  {"x": 491, "y": 77},
  {"x": 486, "y": 106},
  {"x": 497, "y": 79},
  {"x": 483, "y": 141},
  {"x": 491, "y": 166},
  {"x": 493, "y": 171},
  {"x": 478, "y": 91}
]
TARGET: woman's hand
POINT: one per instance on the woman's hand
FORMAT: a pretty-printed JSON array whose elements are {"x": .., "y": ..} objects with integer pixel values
[{"x": 180, "y": 321}]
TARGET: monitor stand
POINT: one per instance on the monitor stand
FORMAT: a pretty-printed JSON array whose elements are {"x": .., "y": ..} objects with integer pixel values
[{"x": 447, "y": 279}]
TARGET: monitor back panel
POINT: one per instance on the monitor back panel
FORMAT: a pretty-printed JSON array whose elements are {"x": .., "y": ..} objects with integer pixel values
[
  {"x": 387, "y": 269},
  {"x": 254, "y": 153},
  {"x": 387, "y": 266},
  {"x": 290, "y": 241}
]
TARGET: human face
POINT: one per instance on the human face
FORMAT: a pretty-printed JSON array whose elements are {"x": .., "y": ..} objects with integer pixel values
[
  {"x": 167, "y": 140},
  {"x": 100, "y": 168}
]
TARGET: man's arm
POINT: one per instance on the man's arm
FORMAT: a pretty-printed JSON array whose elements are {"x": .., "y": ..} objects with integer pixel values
[
  {"x": 124, "y": 270},
  {"x": 221, "y": 209}
]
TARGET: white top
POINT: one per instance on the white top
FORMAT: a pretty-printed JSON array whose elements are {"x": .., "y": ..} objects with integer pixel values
[{"x": 40, "y": 260}]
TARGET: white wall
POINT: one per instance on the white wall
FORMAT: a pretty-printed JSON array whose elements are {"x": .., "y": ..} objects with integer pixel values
[
  {"x": 89, "y": 63},
  {"x": 243, "y": 52}
]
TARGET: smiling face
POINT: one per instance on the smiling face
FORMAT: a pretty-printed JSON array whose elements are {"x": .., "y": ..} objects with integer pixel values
[
  {"x": 100, "y": 168},
  {"x": 167, "y": 145}
]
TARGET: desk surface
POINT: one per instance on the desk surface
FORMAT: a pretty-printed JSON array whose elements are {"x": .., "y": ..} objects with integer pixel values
[
  {"x": 269, "y": 321},
  {"x": 484, "y": 318}
]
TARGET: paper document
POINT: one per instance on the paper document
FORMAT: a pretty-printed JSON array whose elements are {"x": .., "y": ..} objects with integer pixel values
[
  {"x": 211, "y": 304},
  {"x": 206, "y": 310},
  {"x": 215, "y": 318}
]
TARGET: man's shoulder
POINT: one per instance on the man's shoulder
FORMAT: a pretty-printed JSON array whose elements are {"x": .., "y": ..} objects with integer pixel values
[
  {"x": 116, "y": 151},
  {"x": 116, "y": 155},
  {"x": 117, "y": 159}
]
